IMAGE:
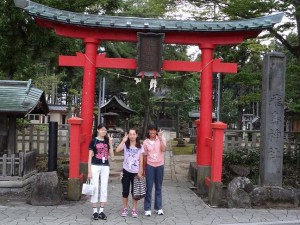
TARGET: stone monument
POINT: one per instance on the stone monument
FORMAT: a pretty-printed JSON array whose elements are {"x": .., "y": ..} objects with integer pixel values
[{"x": 272, "y": 120}]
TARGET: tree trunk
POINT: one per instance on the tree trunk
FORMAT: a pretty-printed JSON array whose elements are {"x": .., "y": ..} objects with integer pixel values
[
  {"x": 240, "y": 118},
  {"x": 9, "y": 74},
  {"x": 297, "y": 16},
  {"x": 146, "y": 121}
]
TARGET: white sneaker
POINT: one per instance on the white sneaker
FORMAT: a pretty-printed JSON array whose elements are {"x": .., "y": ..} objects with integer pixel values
[
  {"x": 148, "y": 213},
  {"x": 160, "y": 212}
]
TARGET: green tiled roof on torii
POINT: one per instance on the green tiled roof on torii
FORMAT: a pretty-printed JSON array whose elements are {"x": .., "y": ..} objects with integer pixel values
[{"x": 144, "y": 24}]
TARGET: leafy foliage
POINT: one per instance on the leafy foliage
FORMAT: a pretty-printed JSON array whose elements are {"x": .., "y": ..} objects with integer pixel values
[
  {"x": 28, "y": 51},
  {"x": 229, "y": 109},
  {"x": 22, "y": 123},
  {"x": 292, "y": 76},
  {"x": 89, "y": 6},
  {"x": 145, "y": 8},
  {"x": 251, "y": 159},
  {"x": 242, "y": 157}
]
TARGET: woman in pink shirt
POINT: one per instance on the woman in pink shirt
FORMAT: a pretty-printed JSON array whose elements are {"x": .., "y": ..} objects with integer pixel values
[{"x": 154, "y": 148}]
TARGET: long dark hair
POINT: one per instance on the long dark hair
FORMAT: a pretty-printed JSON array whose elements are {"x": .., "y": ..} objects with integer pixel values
[
  {"x": 106, "y": 138},
  {"x": 137, "y": 143}
]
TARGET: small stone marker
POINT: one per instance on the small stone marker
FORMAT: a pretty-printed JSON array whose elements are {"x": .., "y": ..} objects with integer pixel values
[{"x": 272, "y": 120}]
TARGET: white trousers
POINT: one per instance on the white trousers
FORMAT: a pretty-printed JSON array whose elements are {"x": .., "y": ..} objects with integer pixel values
[{"x": 101, "y": 172}]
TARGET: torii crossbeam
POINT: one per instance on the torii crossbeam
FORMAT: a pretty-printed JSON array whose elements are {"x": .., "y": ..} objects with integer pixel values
[{"x": 168, "y": 65}]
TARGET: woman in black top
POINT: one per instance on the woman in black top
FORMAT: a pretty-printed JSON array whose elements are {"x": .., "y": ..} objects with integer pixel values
[{"x": 98, "y": 167}]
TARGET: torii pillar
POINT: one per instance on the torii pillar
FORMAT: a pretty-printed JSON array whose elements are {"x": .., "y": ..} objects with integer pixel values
[
  {"x": 204, "y": 130},
  {"x": 88, "y": 95}
]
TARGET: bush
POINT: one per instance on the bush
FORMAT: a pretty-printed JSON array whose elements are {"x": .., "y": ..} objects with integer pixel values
[
  {"x": 251, "y": 158},
  {"x": 22, "y": 123},
  {"x": 242, "y": 157},
  {"x": 62, "y": 163}
]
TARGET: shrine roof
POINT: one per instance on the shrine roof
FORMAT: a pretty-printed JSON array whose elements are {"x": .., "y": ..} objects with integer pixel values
[
  {"x": 57, "y": 108},
  {"x": 20, "y": 98},
  {"x": 117, "y": 105},
  {"x": 144, "y": 24},
  {"x": 196, "y": 114}
]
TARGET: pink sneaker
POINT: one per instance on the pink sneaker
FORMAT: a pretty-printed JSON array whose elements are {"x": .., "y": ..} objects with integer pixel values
[
  {"x": 134, "y": 213},
  {"x": 124, "y": 212}
]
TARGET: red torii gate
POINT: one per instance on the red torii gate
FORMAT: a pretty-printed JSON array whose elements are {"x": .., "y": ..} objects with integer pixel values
[
  {"x": 91, "y": 60},
  {"x": 93, "y": 29}
]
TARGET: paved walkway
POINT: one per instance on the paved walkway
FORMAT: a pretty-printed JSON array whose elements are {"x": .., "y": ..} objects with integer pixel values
[{"x": 180, "y": 204}]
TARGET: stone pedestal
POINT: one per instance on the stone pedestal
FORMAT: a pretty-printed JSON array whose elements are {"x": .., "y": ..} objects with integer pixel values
[
  {"x": 202, "y": 173},
  {"x": 215, "y": 194},
  {"x": 74, "y": 189},
  {"x": 193, "y": 173}
]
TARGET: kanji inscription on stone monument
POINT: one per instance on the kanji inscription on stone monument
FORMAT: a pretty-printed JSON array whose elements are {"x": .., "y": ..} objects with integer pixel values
[{"x": 272, "y": 118}]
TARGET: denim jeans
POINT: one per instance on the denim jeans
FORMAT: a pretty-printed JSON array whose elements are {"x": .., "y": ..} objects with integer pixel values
[{"x": 154, "y": 175}]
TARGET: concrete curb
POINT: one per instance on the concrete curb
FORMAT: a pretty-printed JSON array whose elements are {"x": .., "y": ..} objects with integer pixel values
[{"x": 295, "y": 222}]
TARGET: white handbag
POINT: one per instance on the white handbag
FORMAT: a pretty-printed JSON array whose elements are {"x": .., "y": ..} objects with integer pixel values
[{"x": 88, "y": 188}]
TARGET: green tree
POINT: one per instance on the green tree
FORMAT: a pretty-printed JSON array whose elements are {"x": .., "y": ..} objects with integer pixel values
[
  {"x": 17, "y": 31},
  {"x": 24, "y": 44},
  {"x": 239, "y": 9},
  {"x": 286, "y": 34},
  {"x": 292, "y": 93},
  {"x": 48, "y": 84},
  {"x": 229, "y": 108},
  {"x": 146, "y": 8},
  {"x": 139, "y": 97},
  {"x": 246, "y": 83},
  {"x": 36, "y": 51}
]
